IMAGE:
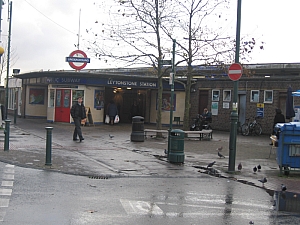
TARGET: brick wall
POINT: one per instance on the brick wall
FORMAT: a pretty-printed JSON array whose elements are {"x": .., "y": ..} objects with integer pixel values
[{"x": 222, "y": 120}]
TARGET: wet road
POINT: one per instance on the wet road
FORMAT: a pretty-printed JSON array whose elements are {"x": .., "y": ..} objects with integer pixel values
[{"x": 29, "y": 196}]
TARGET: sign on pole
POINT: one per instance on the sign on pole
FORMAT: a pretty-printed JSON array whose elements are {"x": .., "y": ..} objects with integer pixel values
[
  {"x": 78, "y": 59},
  {"x": 171, "y": 78},
  {"x": 235, "y": 71},
  {"x": 166, "y": 62}
]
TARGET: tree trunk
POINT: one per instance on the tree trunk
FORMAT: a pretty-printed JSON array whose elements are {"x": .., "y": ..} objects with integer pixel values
[{"x": 186, "y": 122}]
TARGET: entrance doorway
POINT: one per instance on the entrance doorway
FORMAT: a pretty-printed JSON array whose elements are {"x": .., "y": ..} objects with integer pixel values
[
  {"x": 203, "y": 102},
  {"x": 124, "y": 99},
  {"x": 62, "y": 105}
]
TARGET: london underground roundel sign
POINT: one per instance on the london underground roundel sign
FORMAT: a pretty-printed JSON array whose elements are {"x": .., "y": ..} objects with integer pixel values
[
  {"x": 78, "y": 59},
  {"x": 235, "y": 71}
]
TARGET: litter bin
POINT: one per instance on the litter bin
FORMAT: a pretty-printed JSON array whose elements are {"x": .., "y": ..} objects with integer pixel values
[
  {"x": 137, "y": 133},
  {"x": 176, "y": 151},
  {"x": 288, "y": 150}
]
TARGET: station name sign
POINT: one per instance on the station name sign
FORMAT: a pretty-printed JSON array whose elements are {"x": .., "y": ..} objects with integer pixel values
[
  {"x": 127, "y": 83},
  {"x": 101, "y": 81}
]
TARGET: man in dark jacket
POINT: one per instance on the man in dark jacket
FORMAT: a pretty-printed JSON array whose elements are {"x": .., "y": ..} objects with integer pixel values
[
  {"x": 78, "y": 113},
  {"x": 279, "y": 118}
]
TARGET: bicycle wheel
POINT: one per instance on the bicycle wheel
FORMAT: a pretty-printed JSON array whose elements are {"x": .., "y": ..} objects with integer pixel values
[
  {"x": 245, "y": 129},
  {"x": 257, "y": 129}
]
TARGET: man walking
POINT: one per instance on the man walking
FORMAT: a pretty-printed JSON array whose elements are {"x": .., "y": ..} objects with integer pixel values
[{"x": 78, "y": 113}]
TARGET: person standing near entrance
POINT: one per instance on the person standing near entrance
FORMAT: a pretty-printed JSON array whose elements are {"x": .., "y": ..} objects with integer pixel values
[
  {"x": 134, "y": 110},
  {"x": 112, "y": 111},
  {"x": 78, "y": 113}
]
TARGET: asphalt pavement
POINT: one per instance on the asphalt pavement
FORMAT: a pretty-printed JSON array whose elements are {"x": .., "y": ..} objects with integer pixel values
[{"x": 108, "y": 152}]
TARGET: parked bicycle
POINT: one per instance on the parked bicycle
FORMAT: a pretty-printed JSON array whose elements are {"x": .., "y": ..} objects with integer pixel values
[{"x": 250, "y": 127}]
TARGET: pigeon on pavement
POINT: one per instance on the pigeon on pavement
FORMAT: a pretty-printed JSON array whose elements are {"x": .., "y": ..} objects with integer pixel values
[
  {"x": 254, "y": 169},
  {"x": 219, "y": 149},
  {"x": 111, "y": 136},
  {"x": 263, "y": 181},
  {"x": 259, "y": 168},
  {"x": 240, "y": 166},
  {"x": 283, "y": 187},
  {"x": 211, "y": 164},
  {"x": 220, "y": 155},
  {"x": 166, "y": 152}
]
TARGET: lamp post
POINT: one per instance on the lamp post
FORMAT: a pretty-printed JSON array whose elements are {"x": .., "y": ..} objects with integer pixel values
[
  {"x": 172, "y": 76},
  {"x": 234, "y": 112},
  {"x": 8, "y": 59}
]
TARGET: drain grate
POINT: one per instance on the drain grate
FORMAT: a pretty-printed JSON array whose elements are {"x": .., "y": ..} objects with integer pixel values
[{"x": 99, "y": 177}]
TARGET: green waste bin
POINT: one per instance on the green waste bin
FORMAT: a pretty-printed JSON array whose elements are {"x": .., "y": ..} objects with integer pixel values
[
  {"x": 176, "y": 151},
  {"x": 137, "y": 133}
]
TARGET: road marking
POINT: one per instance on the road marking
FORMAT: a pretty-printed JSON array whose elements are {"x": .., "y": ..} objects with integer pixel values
[
  {"x": 141, "y": 207},
  {"x": 5, "y": 191},
  {"x": 9, "y": 170},
  {"x": 4, "y": 202},
  {"x": 8, "y": 177},
  {"x": 7, "y": 183},
  {"x": 2, "y": 214},
  {"x": 9, "y": 166}
]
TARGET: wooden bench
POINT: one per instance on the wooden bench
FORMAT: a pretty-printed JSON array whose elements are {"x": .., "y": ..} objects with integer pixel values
[
  {"x": 152, "y": 132},
  {"x": 177, "y": 120},
  {"x": 201, "y": 133}
]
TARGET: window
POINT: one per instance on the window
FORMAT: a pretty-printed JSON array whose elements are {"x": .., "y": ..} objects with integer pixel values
[
  {"x": 268, "y": 96},
  {"x": 254, "y": 96},
  {"x": 76, "y": 94},
  {"x": 51, "y": 98},
  {"x": 36, "y": 96},
  {"x": 215, "y": 95},
  {"x": 226, "y": 95}
]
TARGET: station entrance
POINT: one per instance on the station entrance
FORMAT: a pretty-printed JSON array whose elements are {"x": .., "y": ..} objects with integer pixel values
[{"x": 124, "y": 99}]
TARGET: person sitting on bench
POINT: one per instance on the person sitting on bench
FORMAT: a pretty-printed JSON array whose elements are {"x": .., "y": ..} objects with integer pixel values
[{"x": 205, "y": 117}]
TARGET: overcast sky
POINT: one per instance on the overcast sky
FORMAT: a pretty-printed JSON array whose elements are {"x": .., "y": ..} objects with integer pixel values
[{"x": 44, "y": 31}]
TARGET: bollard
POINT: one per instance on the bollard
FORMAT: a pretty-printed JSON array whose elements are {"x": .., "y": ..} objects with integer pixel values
[
  {"x": 6, "y": 132},
  {"x": 48, "y": 146},
  {"x": 15, "y": 115}
]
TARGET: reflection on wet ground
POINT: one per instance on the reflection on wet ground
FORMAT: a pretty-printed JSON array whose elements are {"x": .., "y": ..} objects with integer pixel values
[{"x": 287, "y": 201}]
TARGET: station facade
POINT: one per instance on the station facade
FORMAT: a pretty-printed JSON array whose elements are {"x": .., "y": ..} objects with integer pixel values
[
  {"x": 51, "y": 94},
  {"x": 261, "y": 89}
]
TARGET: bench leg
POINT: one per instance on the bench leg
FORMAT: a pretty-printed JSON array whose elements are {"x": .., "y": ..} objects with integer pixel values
[{"x": 201, "y": 136}]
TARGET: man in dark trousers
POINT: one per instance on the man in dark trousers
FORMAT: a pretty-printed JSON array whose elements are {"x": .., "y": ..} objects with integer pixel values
[{"x": 78, "y": 113}]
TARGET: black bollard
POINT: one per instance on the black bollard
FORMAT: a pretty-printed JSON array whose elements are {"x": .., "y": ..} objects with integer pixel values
[
  {"x": 48, "y": 146},
  {"x": 15, "y": 115},
  {"x": 6, "y": 132}
]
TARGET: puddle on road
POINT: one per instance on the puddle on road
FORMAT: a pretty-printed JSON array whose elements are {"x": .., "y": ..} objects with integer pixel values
[{"x": 287, "y": 201}]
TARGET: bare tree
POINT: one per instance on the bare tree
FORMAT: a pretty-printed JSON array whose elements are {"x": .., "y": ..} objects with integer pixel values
[
  {"x": 140, "y": 32},
  {"x": 134, "y": 36},
  {"x": 202, "y": 41}
]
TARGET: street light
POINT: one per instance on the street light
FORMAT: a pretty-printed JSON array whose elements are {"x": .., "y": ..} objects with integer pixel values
[
  {"x": 8, "y": 59},
  {"x": 234, "y": 113}
]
